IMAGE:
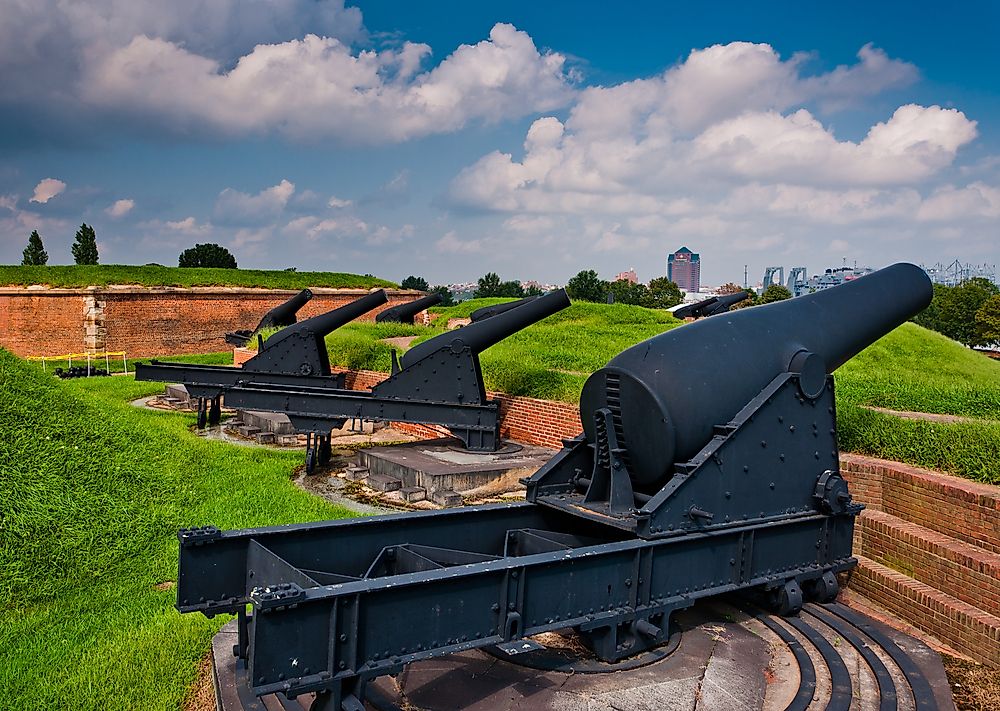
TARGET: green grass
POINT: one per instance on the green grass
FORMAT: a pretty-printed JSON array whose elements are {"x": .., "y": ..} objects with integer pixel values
[
  {"x": 102, "y": 275},
  {"x": 94, "y": 491},
  {"x": 915, "y": 369}
]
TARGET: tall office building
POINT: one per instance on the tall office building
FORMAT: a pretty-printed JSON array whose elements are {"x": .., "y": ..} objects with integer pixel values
[
  {"x": 684, "y": 269},
  {"x": 629, "y": 276}
]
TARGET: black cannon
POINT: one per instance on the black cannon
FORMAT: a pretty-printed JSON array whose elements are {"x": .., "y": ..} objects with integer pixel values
[
  {"x": 711, "y": 306},
  {"x": 280, "y": 316},
  {"x": 698, "y": 473},
  {"x": 437, "y": 382},
  {"x": 296, "y": 352},
  {"x": 489, "y": 311},
  {"x": 404, "y": 313}
]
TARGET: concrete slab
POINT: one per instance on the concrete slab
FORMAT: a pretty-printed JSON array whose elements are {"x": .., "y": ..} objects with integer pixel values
[
  {"x": 275, "y": 422},
  {"x": 442, "y": 464}
]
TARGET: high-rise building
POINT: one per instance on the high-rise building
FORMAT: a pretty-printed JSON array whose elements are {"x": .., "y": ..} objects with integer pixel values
[
  {"x": 684, "y": 269},
  {"x": 629, "y": 276}
]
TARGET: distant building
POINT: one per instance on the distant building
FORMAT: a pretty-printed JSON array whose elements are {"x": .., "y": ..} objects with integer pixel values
[
  {"x": 629, "y": 276},
  {"x": 684, "y": 269}
]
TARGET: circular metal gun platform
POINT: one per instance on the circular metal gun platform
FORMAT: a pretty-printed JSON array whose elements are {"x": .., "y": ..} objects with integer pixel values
[{"x": 724, "y": 656}]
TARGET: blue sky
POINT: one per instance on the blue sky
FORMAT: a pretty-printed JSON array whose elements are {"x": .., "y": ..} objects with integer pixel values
[{"x": 535, "y": 139}]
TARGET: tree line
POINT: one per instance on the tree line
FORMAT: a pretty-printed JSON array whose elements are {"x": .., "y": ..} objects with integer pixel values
[
  {"x": 84, "y": 248},
  {"x": 968, "y": 312},
  {"x": 84, "y": 251}
]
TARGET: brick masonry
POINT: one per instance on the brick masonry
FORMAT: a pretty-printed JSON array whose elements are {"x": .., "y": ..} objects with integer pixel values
[
  {"x": 928, "y": 547},
  {"x": 147, "y": 321}
]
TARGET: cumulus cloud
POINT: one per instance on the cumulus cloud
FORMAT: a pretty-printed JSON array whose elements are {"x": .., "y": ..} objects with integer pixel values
[
  {"x": 120, "y": 208},
  {"x": 236, "y": 207},
  {"x": 260, "y": 67},
  {"x": 47, "y": 189},
  {"x": 731, "y": 148}
]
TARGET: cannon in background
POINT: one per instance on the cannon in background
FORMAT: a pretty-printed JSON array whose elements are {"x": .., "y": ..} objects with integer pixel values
[
  {"x": 284, "y": 357},
  {"x": 437, "y": 382},
  {"x": 708, "y": 464},
  {"x": 404, "y": 313},
  {"x": 711, "y": 306},
  {"x": 280, "y": 316},
  {"x": 489, "y": 311}
]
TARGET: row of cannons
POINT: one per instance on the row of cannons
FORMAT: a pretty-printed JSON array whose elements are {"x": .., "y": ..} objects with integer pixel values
[
  {"x": 438, "y": 382},
  {"x": 708, "y": 464}
]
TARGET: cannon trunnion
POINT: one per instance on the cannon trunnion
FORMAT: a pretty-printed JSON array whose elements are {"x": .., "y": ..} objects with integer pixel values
[{"x": 687, "y": 482}]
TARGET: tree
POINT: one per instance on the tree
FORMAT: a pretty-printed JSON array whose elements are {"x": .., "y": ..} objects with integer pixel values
[
  {"x": 533, "y": 290},
  {"x": 85, "y": 246},
  {"x": 664, "y": 293},
  {"x": 988, "y": 321},
  {"x": 447, "y": 298},
  {"x": 625, "y": 292},
  {"x": 774, "y": 292},
  {"x": 587, "y": 286},
  {"x": 730, "y": 288},
  {"x": 511, "y": 289},
  {"x": 34, "y": 254},
  {"x": 207, "y": 255},
  {"x": 954, "y": 310},
  {"x": 488, "y": 285},
  {"x": 415, "y": 282}
]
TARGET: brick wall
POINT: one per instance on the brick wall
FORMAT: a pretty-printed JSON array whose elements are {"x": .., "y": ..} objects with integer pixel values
[
  {"x": 962, "y": 509},
  {"x": 147, "y": 321},
  {"x": 540, "y": 422}
]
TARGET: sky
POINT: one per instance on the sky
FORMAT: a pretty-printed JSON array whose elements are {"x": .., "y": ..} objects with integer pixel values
[{"x": 449, "y": 139}]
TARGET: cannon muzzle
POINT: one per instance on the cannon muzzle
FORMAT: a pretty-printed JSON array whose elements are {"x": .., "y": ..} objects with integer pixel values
[
  {"x": 404, "y": 313},
  {"x": 483, "y": 334},
  {"x": 490, "y": 311},
  {"x": 669, "y": 392},
  {"x": 280, "y": 316},
  {"x": 284, "y": 314},
  {"x": 331, "y": 320}
]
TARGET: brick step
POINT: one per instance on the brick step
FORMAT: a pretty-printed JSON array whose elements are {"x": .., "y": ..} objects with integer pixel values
[
  {"x": 954, "y": 567},
  {"x": 968, "y": 629}
]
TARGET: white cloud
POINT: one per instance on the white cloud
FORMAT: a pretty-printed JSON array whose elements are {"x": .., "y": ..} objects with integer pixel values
[
  {"x": 730, "y": 149},
  {"x": 47, "y": 189},
  {"x": 318, "y": 88},
  {"x": 236, "y": 207},
  {"x": 337, "y": 203},
  {"x": 188, "y": 226},
  {"x": 120, "y": 208}
]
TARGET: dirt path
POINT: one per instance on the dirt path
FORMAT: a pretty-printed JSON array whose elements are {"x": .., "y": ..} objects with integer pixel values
[
  {"x": 927, "y": 416},
  {"x": 400, "y": 342}
]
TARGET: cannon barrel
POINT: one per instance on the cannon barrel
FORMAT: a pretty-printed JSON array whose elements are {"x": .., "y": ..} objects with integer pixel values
[
  {"x": 284, "y": 314},
  {"x": 331, "y": 320},
  {"x": 404, "y": 313},
  {"x": 668, "y": 393},
  {"x": 711, "y": 306},
  {"x": 483, "y": 334},
  {"x": 490, "y": 311}
]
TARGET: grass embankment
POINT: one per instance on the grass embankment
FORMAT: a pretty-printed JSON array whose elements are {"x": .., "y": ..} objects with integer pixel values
[
  {"x": 914, "y": 369},
  {"x": 78, "y": 276},
  {"x": 94, "y": 491}
]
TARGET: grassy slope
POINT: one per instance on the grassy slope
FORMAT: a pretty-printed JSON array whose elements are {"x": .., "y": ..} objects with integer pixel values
[
  {"x": 919, "y": 370},
  {"x": 94, "y": 491},
  {"x": 102, "y": 275}
]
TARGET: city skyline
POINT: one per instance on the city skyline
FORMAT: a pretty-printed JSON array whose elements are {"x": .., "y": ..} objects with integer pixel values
[{"x": 531, "y": 141}]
